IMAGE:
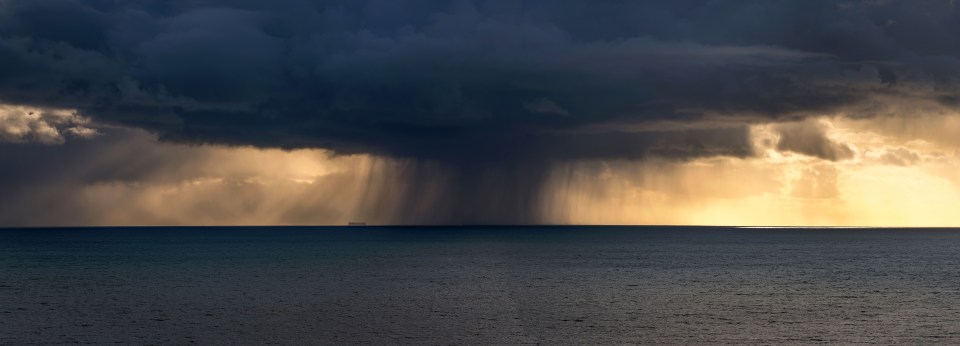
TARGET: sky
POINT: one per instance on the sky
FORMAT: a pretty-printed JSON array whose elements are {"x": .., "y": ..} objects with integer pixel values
[{"x": 310, "y": 112}]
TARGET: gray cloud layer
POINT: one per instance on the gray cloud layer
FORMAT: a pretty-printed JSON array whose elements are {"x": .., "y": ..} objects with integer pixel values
[
  {"x": 809, "y": 138},
  {"x": 473, "y": 80}
]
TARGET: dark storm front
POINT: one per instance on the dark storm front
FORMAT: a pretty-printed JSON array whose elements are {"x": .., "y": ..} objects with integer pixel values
[{"x": 563, "y": 285}]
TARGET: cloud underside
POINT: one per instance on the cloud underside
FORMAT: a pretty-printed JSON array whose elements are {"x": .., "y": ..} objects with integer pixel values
[
  {"x": 463, "y": 81},
  {"x": 476, "y": 111},
  {"x": 898, "y": 176}
]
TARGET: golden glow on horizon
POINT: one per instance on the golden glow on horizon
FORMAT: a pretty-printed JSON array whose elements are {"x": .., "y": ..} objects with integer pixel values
[
  {"x": 898, "y": 175},
  {"x": 894, "y": 179}
]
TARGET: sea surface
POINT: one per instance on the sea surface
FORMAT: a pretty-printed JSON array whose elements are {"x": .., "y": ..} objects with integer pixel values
[{"x": 479, "y": 285}]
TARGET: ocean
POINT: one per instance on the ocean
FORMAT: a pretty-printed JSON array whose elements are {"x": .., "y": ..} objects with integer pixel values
[{"x": 479, "y": 285}]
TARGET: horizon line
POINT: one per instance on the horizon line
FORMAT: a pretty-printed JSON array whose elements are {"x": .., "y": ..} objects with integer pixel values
[{"x": 404, "y": 226}]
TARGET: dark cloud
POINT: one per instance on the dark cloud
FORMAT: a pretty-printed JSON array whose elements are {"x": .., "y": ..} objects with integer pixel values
[
  {"x": 809, "y": 138},
  {"x": 491, "y": 79},
  {"x": 481, "y": 95}
]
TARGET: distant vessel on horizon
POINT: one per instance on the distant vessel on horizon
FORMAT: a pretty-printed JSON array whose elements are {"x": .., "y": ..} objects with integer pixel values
[{"x": 356, "y": 224}]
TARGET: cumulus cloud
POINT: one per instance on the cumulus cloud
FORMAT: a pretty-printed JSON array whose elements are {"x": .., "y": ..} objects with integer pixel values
[
  {"x": 810, "y": 138},
  {"x": 900, "y": 156},
  {"x": 47, "y": 126}
]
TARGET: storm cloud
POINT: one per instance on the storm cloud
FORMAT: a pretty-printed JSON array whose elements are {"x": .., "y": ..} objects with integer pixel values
[
  {"x": 472, "y": 103},
  {"x": 471, "y": 80}
]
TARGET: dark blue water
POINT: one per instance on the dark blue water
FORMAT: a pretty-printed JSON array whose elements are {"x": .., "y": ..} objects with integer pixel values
[{"x": 573, "y": 285}]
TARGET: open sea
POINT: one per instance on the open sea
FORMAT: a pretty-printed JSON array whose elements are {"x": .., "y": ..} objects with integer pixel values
[{"x": 479, "y": 285}]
